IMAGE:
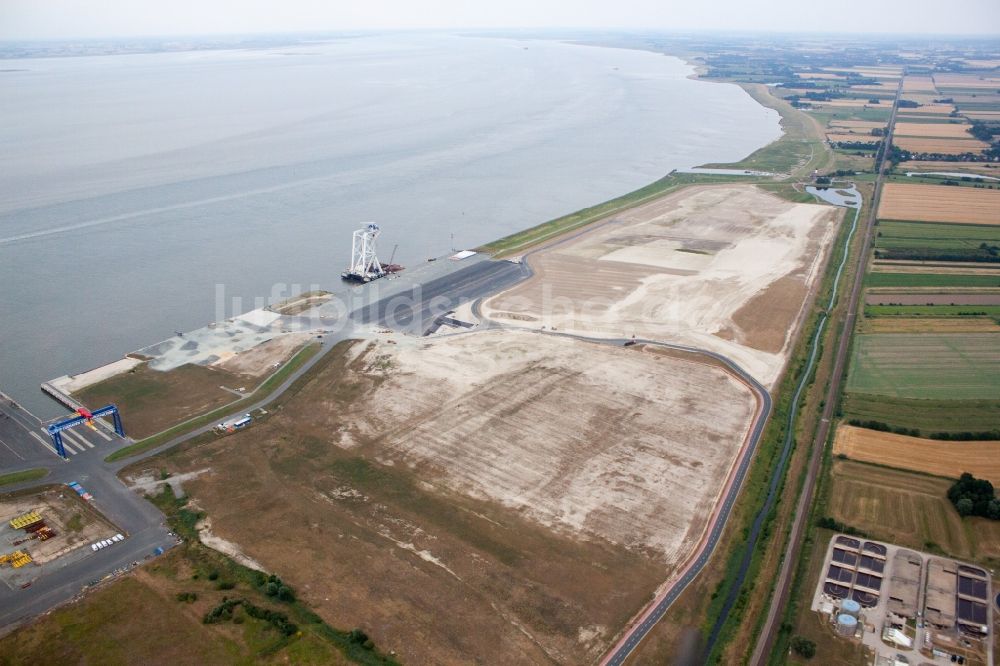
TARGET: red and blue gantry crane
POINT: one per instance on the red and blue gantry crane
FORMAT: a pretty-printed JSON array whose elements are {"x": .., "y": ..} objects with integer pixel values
[{"x": 83, "y": 416}]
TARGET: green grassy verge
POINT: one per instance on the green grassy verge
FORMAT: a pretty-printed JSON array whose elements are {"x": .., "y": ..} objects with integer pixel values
[
  {"x": 931, "y": 310},
  {"x": 927, "y": 416},
  {"x": 931, "y": 280},
  {"x": 20, "y": 477},
  {"x": 264, "y": 390}
]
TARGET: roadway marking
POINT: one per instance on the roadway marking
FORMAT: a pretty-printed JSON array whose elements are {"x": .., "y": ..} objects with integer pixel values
[
  {"x": 80, "y": 442},
  {"x": 12, "y": 450},
  {"x": 100, "y": 431},
  {"x": 48, "y": 445}
]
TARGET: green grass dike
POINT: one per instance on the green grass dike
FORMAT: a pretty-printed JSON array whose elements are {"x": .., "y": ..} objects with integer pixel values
[{"x": 20, "y": 477}]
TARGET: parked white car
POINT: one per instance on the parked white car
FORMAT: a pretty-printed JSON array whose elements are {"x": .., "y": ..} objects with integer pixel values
[
  {"x": 95, "y": 547},
  {"x": 117, "y": 537}
]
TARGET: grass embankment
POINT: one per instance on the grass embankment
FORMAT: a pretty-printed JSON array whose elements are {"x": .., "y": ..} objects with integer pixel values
[
  {"x": 522, "y": 240},
  {"x": 20, "y": 477},
  {"x": 801, "y": 149},
  {"x": 263, "y": 391},
  {"x": 180, "y": 609}
]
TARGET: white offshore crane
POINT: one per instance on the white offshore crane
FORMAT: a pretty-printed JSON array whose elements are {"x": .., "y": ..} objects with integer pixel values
[{"x": 365, "y": 266}]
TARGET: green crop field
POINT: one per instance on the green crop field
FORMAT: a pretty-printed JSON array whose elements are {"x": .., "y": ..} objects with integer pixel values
[
  {"x": 931, "y": 280},
  {"x": 932, "y": 310},
  {"x": 927, "y": 416},
  {"x": 935, "y": 236},
  {"x": 961, "y": 366}
]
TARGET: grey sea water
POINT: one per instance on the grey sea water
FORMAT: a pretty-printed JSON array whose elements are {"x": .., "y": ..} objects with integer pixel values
[{"x": 132, "y": 185}]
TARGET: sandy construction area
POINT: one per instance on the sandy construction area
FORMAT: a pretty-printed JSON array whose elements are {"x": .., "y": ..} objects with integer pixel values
[
  {"x": 931, "y": 456},
  {"x": 939, "y": 203},
  {"x": 631, "y": 446},
  {"x": 726, "y": 268}
]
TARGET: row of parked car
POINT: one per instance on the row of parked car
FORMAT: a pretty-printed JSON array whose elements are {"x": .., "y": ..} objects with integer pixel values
[{"x": 98, "y": 545}]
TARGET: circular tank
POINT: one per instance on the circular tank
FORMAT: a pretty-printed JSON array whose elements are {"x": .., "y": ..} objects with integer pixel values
[
  {"x": 846, "y": 624},
  {"x": 850, "y": 607}
]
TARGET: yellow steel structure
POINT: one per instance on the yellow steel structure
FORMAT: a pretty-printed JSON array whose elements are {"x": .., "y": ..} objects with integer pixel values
[{"x": 25, "y": 520}]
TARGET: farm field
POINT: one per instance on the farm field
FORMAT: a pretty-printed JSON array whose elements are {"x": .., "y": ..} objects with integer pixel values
[
  {"x": 927, "y": 416},
  {"x": 917, "y": 454},
  {"x": 934, "y": 130},
  {"x": 931, "y": 280},
  {"x": 942, "y": 366},
  {"x": 984, "y": 168},
  {"x": 962, "y": 81},
  {"x": 918, "y": 84},
  {"x": 942, "y": 146},
  {"x": 425, "y": 488},
  {"x": 858, "y": 125},
  {"x": 932, "y": 310},
  {"x": 939, "y": 203},
  {"x": 924, "y": 235},
  {"x": 908, "y": 509},
  {"x": 728, "y": 268},
  {"x": 924, "y": 297},
  {"x": 929, "y": 325},
  {"x": 930, "y": 109},
  {"x": 857, "y": 137}
]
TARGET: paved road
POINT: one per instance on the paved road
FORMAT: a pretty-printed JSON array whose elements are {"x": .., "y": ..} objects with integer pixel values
[{"x": 765, "y": 641}]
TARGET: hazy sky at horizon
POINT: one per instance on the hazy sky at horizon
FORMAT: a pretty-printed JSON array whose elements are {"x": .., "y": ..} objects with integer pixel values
[{"x": 56, "y": 19}]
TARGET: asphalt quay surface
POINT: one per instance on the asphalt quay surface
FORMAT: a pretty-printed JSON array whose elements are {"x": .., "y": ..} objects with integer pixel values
[{"x": 416, "y": 310}]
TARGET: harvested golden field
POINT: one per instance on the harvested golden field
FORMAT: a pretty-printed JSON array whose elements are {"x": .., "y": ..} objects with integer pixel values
[
  {"x": 929, "y": 325},
  {"x": 887, "y": 88},
  {"x": 918, "y": 84},
  {"x": 728, "y": 268},
  {"x": 917, "y": 454},
  {"x": 854, "y": 125},
  {"x": 939, "y": 203},
  {"x": 908, "y": 509},
  {"x": 985, "y": 168},
  {"x": 934, "y": 130},
  {"x": 853, "y": 137},
  {"x": 850, "y": 103},
  {"x": 967, "y": 81},
  {"x": 982, "y": 115},
  {"x": 942, "y": 146},
  {"x": 932, "y": 109},
  {"x": 488, "y": 493}
]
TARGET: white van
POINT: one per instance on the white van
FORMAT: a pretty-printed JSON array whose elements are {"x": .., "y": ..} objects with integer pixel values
[{"x": 95, "y": 547}]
